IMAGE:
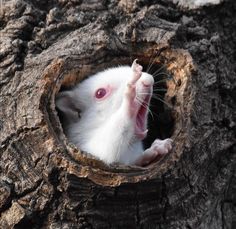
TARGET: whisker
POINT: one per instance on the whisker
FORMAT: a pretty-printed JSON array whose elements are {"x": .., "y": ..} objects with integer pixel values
[
  {"x": 168, "y": 76},
  {"x": 158, "y": 70},
  {"x": 158, "y": 98},
  {"x": 148, "y": 108},
  {"x": 159, "y": 89},
  {"x": 144, "y": 93},
  {"x": 155, "y": 55},
  {"x": 159, "y": 81},
  {"x": 165, "y": 79},
  {"x": 150, "y": 61},
  {"x": 163, "y": 66},
  {"x": 146, "y": 105},
  {"x": 142, "y": 103}
]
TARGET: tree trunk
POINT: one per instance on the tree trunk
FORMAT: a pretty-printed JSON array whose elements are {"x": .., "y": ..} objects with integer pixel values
[{"x": 45, "y": 46}]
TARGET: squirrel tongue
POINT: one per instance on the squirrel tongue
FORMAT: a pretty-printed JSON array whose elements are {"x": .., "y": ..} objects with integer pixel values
[{"x": 140, "y": 120}]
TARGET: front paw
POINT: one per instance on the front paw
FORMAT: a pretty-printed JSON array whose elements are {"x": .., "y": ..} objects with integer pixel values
[
  {"x": 161, "y": 147},
  {"x": 158, "y": 149}
]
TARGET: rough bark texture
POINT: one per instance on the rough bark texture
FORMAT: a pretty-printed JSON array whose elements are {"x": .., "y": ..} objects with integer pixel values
[{"x": 45, "y": 182}]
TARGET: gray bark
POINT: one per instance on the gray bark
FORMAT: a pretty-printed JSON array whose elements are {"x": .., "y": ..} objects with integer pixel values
[{"x": 45, "y": 182}]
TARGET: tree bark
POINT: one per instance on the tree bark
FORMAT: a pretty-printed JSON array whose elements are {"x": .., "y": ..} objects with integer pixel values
[{"x": 45, "y": 46}]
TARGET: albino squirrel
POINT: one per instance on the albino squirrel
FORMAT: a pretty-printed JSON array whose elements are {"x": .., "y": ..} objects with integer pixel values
[{"x": 106, "y": 116}]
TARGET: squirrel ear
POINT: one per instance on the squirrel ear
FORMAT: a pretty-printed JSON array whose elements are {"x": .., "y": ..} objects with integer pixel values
[{"x": 66, "y": 103}]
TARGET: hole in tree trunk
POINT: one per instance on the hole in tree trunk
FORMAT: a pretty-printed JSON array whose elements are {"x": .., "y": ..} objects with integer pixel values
[
  {"x": 160, "y": 119},
  {"x": 169, "y": 120}
]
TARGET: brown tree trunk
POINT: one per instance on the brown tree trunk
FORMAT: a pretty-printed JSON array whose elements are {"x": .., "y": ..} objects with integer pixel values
[{"x": 45, "y": 182}]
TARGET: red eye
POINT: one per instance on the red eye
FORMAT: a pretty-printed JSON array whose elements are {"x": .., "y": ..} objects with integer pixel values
[{"x": 100, "y": 93}]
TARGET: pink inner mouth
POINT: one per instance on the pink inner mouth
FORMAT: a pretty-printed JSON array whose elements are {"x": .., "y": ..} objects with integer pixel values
[{"x": 140, "y": 128}]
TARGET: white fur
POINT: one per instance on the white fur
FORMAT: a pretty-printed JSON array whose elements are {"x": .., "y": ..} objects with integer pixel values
[{"x": 104, "y": 128}]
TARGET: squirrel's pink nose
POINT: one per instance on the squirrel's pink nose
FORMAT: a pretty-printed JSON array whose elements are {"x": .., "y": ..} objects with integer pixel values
[
  {"x": 147, "y": 81},
  {"x": 146, "y": 84}
]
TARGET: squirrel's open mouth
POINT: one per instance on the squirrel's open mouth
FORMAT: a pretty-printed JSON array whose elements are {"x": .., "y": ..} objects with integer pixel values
[{"x": 141, "y": 118}]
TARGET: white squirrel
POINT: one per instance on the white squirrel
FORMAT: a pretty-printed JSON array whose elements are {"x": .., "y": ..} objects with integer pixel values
[{"x": 106, "y": 115}]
